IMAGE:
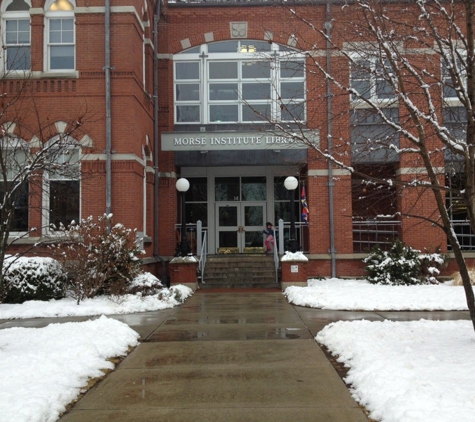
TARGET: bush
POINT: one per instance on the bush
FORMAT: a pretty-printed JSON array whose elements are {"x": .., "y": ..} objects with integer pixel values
[
  {"x": 33, "y": 279},
  {"x": 145, "y": 284},
  {"x": 402, "y": 265},
  {"x": 100, "y": 257}
]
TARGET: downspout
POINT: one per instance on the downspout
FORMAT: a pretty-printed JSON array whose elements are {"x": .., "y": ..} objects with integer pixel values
[
  {"x": 328, "y": 27},
  {"x": 107, "y": 69},
  {"x": 156, "y": 231}
]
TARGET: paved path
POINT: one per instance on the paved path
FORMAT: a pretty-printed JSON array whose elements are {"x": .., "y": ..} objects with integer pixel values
[{"x": 227, "y": 356}]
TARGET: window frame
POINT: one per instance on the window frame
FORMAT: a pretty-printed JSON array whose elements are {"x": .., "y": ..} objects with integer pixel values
[
  {"x": 15, "y": 15},
  {"x": 63, "y": 15},
  {"x": 18, "y": 147},
  {"x": 202, "y": 106},
  {"x": 372, "y": 80},
  {"x": 66, "y": 144}
]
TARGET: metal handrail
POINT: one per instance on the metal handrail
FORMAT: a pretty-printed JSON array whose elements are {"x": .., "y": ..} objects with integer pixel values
[{"x": 203, "y": 255}]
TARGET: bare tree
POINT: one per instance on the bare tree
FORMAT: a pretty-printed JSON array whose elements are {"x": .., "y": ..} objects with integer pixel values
[
  {"x": 408, "y": 68},
  {"x": 30, "y": 147}
]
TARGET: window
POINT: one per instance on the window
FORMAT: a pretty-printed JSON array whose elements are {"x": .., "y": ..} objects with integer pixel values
[
  {"x": 239, "y": 82},
  {"x": 62, "y": 184},
  {"x": 370, "y": 78},
  {"x": 197, "y": 201},
  {"x": 13, "y": 185},
  {"x": 60, "y": 36},
  {"x": 372, "y": 139},
  {"x": 16, "y": 36},
  {"x": 454, "y": 77}
]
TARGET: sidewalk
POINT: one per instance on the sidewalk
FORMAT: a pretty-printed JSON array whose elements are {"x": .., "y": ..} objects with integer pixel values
[
  {"x": 223, "y": 356},
  {"x": 237, "y": 355}
]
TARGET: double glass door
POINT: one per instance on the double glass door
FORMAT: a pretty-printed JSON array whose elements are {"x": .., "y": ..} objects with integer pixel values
[{"x": 239, "y": 227}]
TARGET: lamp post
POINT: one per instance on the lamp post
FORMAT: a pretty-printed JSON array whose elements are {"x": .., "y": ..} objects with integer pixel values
[
  {"x": 291, "y": 184},
  {"x": 182, "y": 186}
]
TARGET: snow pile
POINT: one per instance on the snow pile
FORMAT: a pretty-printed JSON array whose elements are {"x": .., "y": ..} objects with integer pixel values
[
  {"x": 363, "y": 296},
  {"x": 408, "y": 371},
  {"x": 293, "y": 256},
  {"x": 43, "y": 370},
  {"x": 100, "y": 305}
]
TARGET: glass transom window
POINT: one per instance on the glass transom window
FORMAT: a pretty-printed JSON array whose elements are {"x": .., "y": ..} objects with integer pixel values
[{"x": 239, "y": 82}]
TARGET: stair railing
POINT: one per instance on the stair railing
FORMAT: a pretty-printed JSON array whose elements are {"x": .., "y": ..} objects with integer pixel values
[{"x": 203, "y": 252}]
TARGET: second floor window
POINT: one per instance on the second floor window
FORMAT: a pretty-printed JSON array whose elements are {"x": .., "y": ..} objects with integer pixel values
[
  {"x": 61, "y": 36},
  {"x": 16, "y": 41},
  {"x": 370, "y": 78},
  {"x": 239, "y": 82}
]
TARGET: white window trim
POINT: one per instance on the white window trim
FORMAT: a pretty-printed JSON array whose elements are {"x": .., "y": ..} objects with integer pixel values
[
  {"x": 14, "y": 15},
  {"x": 203, "y": 82},
  {"x": 58, "y": 14},
  {"x": 45, "y": 200},
  {"x": 359, "y": 102}
]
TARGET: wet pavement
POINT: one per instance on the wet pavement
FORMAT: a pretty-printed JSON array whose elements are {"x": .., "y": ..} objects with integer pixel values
[{"x": 227, "y": 356}]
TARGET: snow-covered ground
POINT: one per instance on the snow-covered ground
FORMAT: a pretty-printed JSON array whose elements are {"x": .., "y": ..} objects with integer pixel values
[
  {"x": 418, "y": 371},
  {"x": 42, "y": 370}
]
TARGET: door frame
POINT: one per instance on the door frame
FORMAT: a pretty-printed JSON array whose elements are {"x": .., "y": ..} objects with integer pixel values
[{"x": 241, "y": 227}]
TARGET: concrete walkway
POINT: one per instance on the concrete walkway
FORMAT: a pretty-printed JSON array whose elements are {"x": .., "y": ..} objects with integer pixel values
[{"x": 227, "y": 356}]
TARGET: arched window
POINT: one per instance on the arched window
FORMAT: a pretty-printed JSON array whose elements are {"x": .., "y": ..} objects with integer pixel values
[
  {"x": 14, "y": 184},
  {"x": 60, "y": 36},
  {"x": 62, "y": 183},
  {"x": 239, "y": 81},
  {"x": 16, "y": 35}
]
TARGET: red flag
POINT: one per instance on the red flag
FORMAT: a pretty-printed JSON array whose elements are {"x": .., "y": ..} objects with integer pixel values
[{"x": 305, "y": 210}]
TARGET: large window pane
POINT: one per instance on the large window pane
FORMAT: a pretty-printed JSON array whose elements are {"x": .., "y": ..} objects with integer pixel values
[
  {"x": 18, "y": 58},
  {"x": 291, "y": 90},
  {"x": 187, "y": 70},
  {"x": 20, "y": 214},
  {"x": 256, "y": 112},
  {"x": 256, "y": 91},
  {"x": 223, "y": 92},
  {"x": 62, "y": 57},
  {"x": 188, "y": 114},
  {"x": 254, "y": 189},
  {"x": 223, "y": 47},
  {"x": 292, "y": 69},
  {"x": 223, "y": 113},
  {"x": 64, "y": 202},
  {"x": 227, "y": 189},
  {"x": 293, "y": 111},
  {"x": 256, "y": 70},
  {"x": 187, "y": 92},
  {"x": 223, "y": 70}
]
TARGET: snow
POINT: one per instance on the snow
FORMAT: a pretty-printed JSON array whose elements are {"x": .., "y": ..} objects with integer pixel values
[
  {"x": 360, "y": 295},
  {"x": 44, "y": 369},
  {"x": 417, "y": 371},
  {"x": 36, "y": 387}
]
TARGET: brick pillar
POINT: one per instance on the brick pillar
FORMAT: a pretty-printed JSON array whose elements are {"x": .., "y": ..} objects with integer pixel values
[
  {"x": 183, "y": 271},
  {"x": 294, "y": 273}
]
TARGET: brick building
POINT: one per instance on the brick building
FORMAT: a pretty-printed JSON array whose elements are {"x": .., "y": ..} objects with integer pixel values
[{"x": 234, "y": 92}]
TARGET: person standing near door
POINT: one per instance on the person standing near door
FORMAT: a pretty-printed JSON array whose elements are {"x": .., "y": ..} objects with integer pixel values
[{"x": 270, "y": 240}]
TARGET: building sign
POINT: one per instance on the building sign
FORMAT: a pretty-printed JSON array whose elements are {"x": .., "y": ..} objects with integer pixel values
[{"x": 220, "y": 141}]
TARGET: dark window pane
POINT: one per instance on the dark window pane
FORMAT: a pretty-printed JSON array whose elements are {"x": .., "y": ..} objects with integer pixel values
[
  {"x": 256, "y": 112},
  {"x": 198, "y": 189},
  {"x": 292, "y": 69},
  {"x": 20, "y": 199},
  {"x": 227, "y": 216},
  {"x": 64, "y": 202},
  {"x": 256, "y": 91},
  {"x": 197, "y": 212},
  {"x": 254, "y": 189},
  {"x": 227, "y": 189},
  {"x": 187, "y": 92},
  {"x": 223, "y": 113}
]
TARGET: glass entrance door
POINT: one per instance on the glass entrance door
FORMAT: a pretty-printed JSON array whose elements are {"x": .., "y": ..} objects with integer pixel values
[{"x": 239, "y": 227}]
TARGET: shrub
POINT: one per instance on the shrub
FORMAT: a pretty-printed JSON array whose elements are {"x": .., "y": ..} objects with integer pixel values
[
  {"x": 145, "y": 284},
  {"x": 402, "y": 265},
  {"x": 100, "y": 257},
  {"x": 33, "y": 279}
]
